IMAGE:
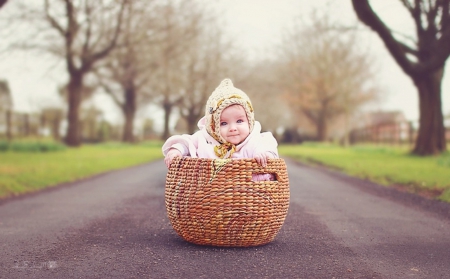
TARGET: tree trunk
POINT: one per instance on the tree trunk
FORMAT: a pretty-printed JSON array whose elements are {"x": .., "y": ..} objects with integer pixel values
[
  {"x": 8, "y": 124},
  {"x": 129, "y": 111},
  {"x": 128, "y": 135},
  {"x": 322, "y": 127},
  {"x": 74, "y": 89},
  {"x": 346, "y": 138},
  {"x": 431, "y": 135},
  {"x": 167, "y": 111},
  {"x": 26, "y": 124},
  {"x": 55, "y": 128},
  {"x": 191, "y": 123}
]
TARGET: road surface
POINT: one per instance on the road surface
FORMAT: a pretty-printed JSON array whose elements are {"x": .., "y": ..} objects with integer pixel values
[{"x": 114, "y": 225}]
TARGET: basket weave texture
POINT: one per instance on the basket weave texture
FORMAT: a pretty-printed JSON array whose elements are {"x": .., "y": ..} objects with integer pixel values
[{"x": 215, "y": 202}]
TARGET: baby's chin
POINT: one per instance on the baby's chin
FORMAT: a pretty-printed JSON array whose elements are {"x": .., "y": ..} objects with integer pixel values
[{"x": 235, "y": 141}]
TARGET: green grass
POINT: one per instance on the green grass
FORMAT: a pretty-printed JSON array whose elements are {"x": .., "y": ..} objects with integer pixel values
[
  {"x": 23, "y": 172},
  {"x": 31, "y": 146},
  {"x": 386, "y": 165}
]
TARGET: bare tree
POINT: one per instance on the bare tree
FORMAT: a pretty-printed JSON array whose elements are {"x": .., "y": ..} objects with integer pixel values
[
  {"x": 126, "y": 72},
  {"x": 89, "y": 32},
  {"x": 203, "y": 65},
  {"x": 181, "y": 22},
  {"x": 324, "y": 76},
  {"x": 424, "y": 62}
]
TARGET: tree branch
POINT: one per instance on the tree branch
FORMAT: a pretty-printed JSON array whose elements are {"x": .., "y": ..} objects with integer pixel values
[
  {"x": 431, "y": 16},
  {"x": 310, "y": 115},
  {"x": 398, "y": 51},
  {"x": 105, "y": 51},
  {"x": 408, "y": 49},
  {"x": 52, "y": 20},
  {"x": 443, "y": 47},
  {"x": 110, "y": 92},
  {"x": 445, "y": 20},
  {"x": 88, "y": 13},
  {"x": 407, "y": 5},
  {"x": 417, "y": 16},
  {"x": 415, "y": 12},
  {"x": 2, "y": 2}
]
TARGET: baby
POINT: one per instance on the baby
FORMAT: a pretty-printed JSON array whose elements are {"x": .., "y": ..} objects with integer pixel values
[{"x": 228, "y": 130}]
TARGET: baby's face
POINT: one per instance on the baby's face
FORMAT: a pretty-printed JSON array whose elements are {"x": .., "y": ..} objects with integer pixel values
[{"x": 234, "y": 127}]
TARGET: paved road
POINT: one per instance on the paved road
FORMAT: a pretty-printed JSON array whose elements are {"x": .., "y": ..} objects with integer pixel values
[{"x": 114, "y": 226}]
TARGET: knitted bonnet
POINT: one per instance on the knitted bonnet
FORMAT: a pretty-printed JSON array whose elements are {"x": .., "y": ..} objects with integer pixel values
[{"x": 222, "y": 97}]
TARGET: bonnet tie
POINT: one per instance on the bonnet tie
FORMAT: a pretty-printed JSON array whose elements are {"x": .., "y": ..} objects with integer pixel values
[{"x": 222, "y": 150}]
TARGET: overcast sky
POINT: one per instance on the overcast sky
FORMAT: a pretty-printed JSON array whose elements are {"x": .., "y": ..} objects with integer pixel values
[{"x": 256, "y": 25}]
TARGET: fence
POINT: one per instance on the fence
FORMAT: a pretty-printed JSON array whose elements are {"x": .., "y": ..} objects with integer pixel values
[{"x": 389, "y": 133}]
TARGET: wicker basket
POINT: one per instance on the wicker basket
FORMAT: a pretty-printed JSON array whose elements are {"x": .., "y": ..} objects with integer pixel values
[{"x": 215, "y": 202}]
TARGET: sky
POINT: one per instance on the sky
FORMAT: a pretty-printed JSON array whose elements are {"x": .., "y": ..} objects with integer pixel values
[{"x": 256, "y": 25}]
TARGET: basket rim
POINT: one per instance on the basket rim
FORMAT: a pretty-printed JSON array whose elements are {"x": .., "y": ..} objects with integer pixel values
[{"x": 231, "y": 159}]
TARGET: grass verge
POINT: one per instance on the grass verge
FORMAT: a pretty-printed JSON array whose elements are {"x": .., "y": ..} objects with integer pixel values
[
  {"x": 386, "y": 165},
  {"x": 31, "y": 146},
  {"x": 23, "y": 172}
]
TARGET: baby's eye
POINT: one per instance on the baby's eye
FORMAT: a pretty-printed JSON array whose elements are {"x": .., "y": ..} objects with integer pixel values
[
  {"x": 240, "y": 121},
  {"x": 223, "y": 123}
]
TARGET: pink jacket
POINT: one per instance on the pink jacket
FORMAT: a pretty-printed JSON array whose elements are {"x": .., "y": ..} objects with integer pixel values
[{"x": 201, "y": 144}]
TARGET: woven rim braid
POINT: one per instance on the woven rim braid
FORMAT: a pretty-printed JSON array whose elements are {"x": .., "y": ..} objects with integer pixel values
[{"x": 215, "y": 202}]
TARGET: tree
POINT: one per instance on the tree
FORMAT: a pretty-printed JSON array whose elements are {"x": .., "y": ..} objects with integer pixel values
[
  {"x": 127, "y": 70},
  {"x": 89, "y": 32},
  {"x": 6, "y": 106},
  {"x": 181, "y": 24},
  {"x": 323, "y": 74},
  {"x": 424, "y": 62},
  {"x": 204, "y": 65},
  {"x": 86, "y": 93}
]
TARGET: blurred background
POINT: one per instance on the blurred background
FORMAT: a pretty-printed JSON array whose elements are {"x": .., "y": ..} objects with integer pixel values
[{"x": 121, "y": 70}]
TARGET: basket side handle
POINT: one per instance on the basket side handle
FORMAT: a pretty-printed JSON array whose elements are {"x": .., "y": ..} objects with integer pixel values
[{"x": 275, "y": 167}]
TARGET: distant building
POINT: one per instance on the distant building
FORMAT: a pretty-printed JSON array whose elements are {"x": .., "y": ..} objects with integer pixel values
[{"x": 383, "y": 127}]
